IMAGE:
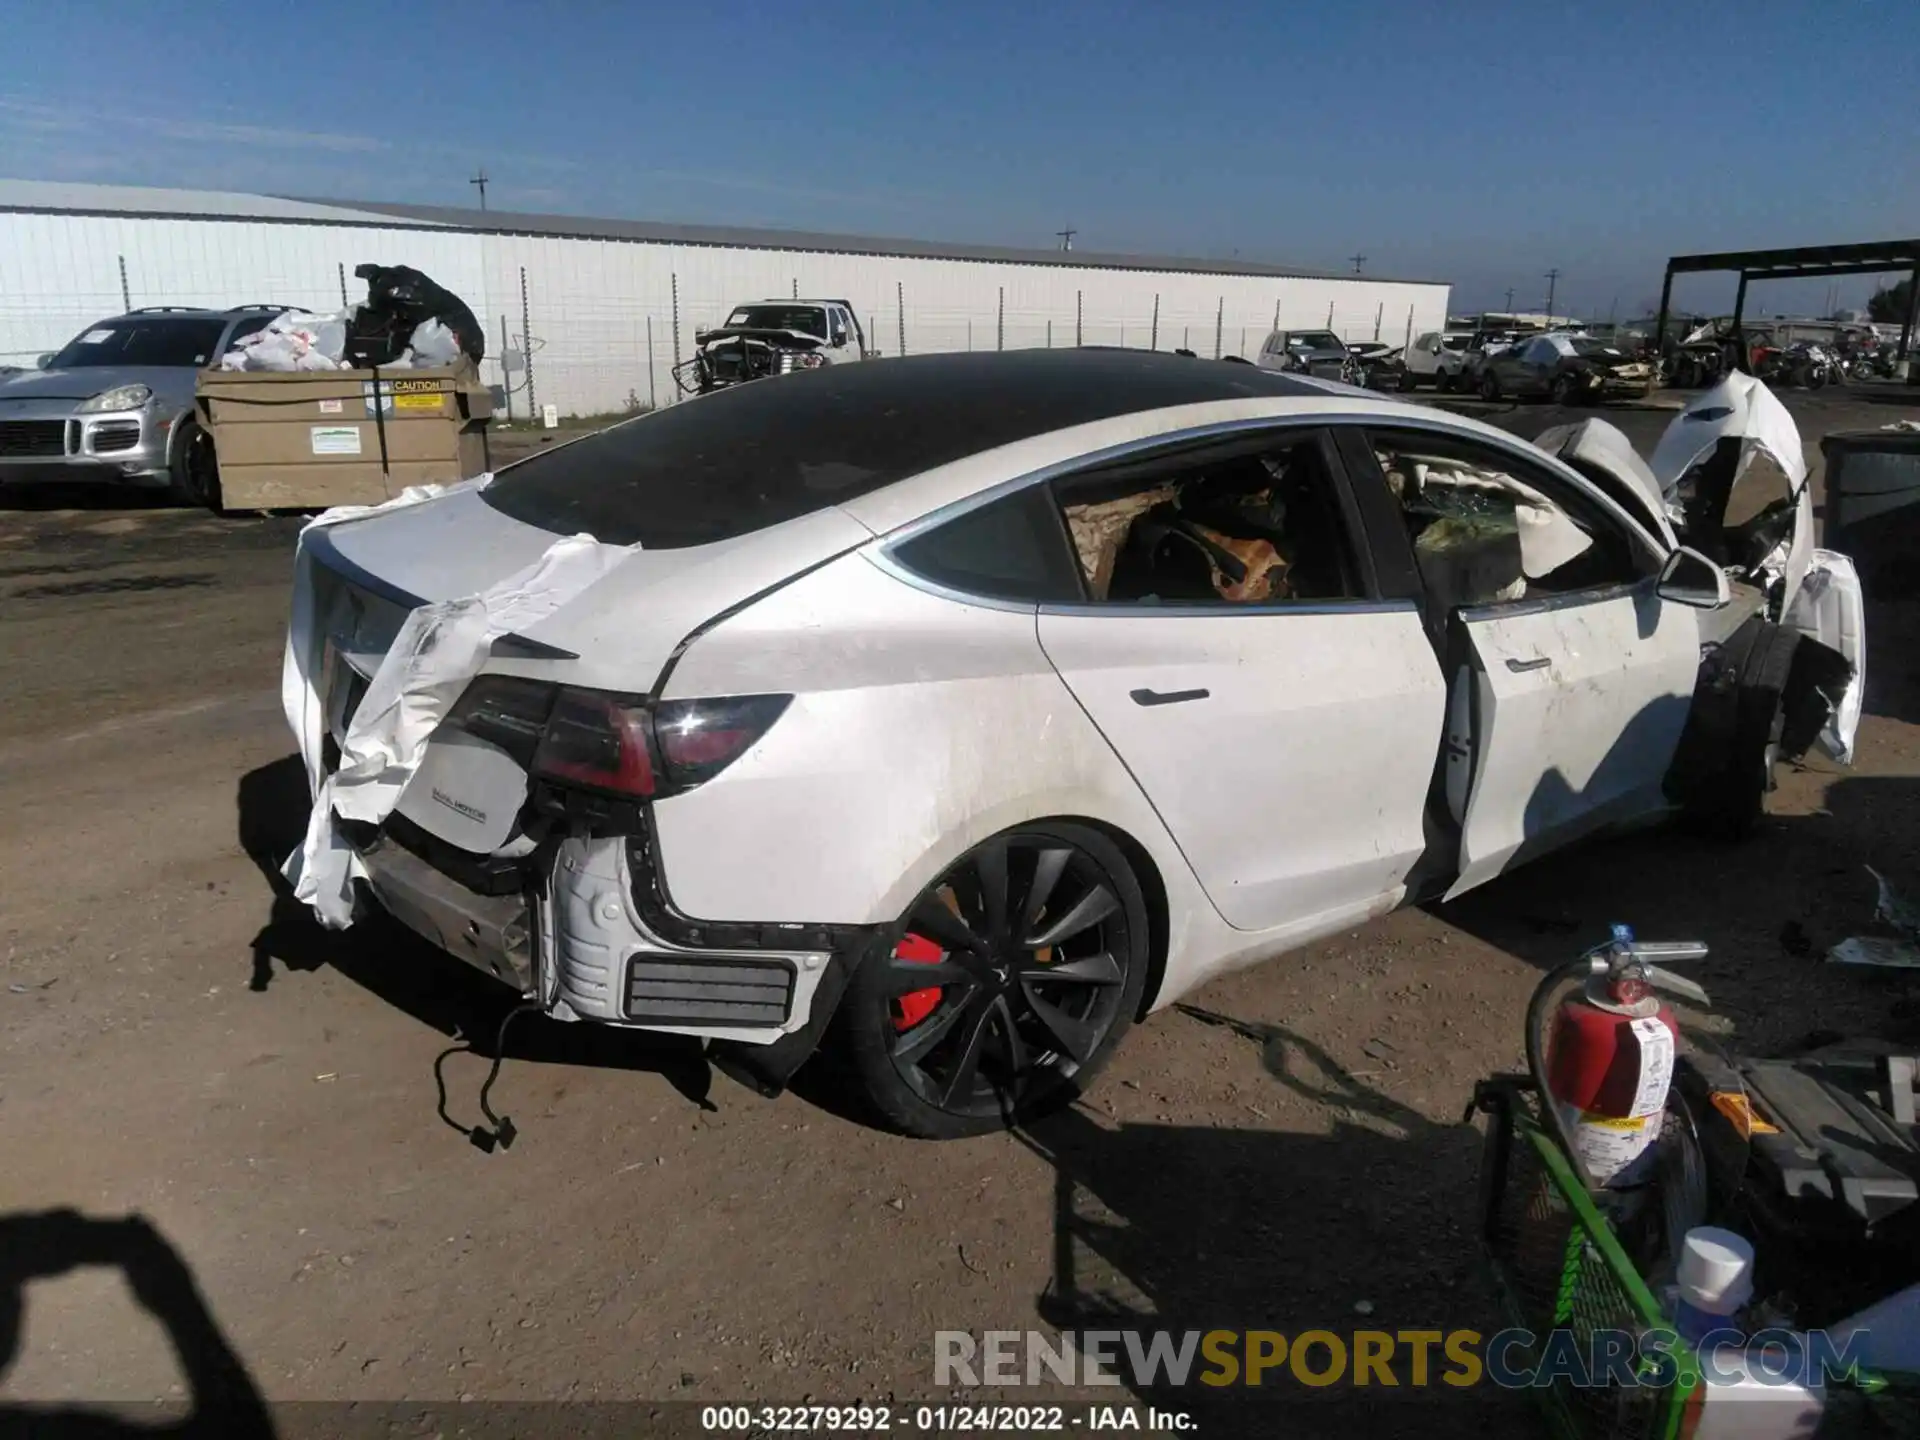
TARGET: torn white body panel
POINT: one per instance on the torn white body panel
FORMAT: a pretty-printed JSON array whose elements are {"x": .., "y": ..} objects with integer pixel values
[
  {"x": 1738, "y": 406},
  {"x": 1742, "y": 408},
  {"x": 1830, "y": 608},
  {"x": 593, "y": 934},
  {"x": 439, "y": 649}
]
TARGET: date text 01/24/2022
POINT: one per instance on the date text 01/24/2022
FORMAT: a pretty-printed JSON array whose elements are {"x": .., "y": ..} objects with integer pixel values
[{"x": 937, "y": 1419}]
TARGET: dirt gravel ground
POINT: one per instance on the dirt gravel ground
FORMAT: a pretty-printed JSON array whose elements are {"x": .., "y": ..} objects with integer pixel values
[{"x": 284, "y": 1107}]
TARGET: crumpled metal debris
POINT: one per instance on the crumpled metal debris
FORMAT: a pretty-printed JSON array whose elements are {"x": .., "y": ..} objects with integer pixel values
[
  {"x": 1881, "y": 952},
  {"x": 1877, "y": 951}
]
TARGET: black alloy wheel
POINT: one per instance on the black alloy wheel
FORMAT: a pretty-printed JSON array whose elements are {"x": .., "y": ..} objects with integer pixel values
[
  {"x": 1008, "y": 984},
  {"x": 1489, "y": 387},
  {"x": 195, "y": 468}
]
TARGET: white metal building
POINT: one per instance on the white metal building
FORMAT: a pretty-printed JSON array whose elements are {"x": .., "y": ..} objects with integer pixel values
[{"x": 609, "y": 305}]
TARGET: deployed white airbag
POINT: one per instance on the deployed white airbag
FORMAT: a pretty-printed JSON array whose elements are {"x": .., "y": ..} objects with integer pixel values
[{"x": 439, "y": 649}]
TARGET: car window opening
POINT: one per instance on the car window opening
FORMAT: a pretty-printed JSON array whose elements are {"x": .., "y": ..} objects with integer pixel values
[
  {"x": 1252, "y": 529},
  {"x": 1481, "y": 536}
]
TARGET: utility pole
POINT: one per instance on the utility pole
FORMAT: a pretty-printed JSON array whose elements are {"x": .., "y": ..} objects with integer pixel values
[
  {"x": 1553, "y": 278},
  {"x": 480, "y": 179},
  {"x": 1358, "y": 261},
  {"x": 1066, "y": 238},
  {"x": 1509, "y": 302}
]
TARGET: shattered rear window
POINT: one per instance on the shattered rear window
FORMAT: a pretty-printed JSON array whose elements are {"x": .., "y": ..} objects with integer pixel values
[{"x": 768, "y": 451}]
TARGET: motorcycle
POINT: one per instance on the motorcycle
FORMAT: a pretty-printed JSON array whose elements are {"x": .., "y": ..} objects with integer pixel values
[{"x": 1810, "y": 365}]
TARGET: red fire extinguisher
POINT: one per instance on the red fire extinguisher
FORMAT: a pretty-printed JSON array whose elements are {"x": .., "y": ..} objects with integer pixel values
[{"x": 1609, "y": 1058}]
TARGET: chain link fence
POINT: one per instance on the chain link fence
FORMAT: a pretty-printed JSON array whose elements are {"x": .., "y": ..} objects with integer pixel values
[{"x": 554, "y": 340}]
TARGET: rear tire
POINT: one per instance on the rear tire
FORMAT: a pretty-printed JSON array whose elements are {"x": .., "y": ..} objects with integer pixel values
[
  {"x": 1489, "y": 387},
  {"x": 1409, "y": 382},
  {"x": 981, "y": 1029},
  {"x": 1566, "y": 390},
  {"x": 195, "y": 468}
]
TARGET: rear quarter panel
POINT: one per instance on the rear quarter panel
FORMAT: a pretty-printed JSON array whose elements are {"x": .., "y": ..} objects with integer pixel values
[{"x": 921, "y": 724}]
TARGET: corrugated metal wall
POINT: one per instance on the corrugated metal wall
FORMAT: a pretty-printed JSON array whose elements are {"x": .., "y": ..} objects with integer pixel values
[{"x": 589, "y": 303}]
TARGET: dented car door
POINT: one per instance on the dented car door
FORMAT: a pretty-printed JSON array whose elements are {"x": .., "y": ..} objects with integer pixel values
[
  {"x": 1576, "y": 706},
  {"x": 1569, "y": 679}
]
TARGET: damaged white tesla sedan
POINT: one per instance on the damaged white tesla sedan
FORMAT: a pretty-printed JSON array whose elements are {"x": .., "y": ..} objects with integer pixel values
[{"x": 977, "y": 704}]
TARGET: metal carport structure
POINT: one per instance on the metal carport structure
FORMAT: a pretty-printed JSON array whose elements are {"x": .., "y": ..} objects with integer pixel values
[{"x": 1801, "y": 263}]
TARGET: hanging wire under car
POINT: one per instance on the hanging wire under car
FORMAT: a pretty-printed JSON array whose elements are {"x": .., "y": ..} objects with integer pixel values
[{"x": 503, "y": 1132}]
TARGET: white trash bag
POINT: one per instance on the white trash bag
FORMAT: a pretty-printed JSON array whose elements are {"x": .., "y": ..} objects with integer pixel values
[
  {"x": 295, "y": 340},
  {"x": 433, "y": 345}
]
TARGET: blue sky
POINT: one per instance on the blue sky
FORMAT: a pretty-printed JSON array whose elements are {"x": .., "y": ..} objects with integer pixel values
[{"x": 1482, "y": 142}]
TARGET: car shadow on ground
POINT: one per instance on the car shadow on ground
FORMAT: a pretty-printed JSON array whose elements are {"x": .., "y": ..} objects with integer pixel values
[
  {"x": 83, "y": 495},
  {"x": 222, "y": 1397},
  {"x": 1769, "y": 907},
  {"x": 415, "y": 976},
  {"x": 1191, "y": 1228}
]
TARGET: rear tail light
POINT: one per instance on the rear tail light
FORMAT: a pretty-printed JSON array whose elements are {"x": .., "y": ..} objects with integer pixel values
[
  {"x": 599, "y": 741},
  {"x": 507, "y": 711},
  {"x": 700, "y": 738},
  {"x": 622, "y": 746}
]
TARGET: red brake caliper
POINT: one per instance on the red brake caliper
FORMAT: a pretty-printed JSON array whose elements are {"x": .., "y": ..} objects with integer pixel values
[{"x": 914, "y": 1006}]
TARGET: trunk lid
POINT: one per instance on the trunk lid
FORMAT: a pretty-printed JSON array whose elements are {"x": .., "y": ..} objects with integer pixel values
[{"x": 617, "y": 634}]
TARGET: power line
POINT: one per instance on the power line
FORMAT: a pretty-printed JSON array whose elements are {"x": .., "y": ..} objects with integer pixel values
[{"x": 480, "y": 179}]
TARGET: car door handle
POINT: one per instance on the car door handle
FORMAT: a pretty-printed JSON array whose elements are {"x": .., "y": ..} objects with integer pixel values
[
  {"x": 1165, "y": 697},
  {"x": 1539, "y": 662}
]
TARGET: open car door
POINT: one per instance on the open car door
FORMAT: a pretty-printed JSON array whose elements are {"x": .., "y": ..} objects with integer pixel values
[
  {"x": 1569, "y": 680},
  {"x": 1572, "y": 710}
]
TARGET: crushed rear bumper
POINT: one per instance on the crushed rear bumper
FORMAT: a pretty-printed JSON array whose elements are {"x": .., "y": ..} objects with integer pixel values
[{"x": 585, "y": 953}]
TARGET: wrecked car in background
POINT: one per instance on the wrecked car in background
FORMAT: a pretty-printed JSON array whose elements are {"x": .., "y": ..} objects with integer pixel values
[
  {"x": 772, "y": 337},
  {"x": 984, "y": 702},
  {"x": 1437, "y": 358},
  {"x": 1309, "y": 352},
  {"x": 1568, "y": 369}
]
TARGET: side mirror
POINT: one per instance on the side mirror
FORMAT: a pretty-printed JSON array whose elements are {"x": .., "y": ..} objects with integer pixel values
[
  {"x": 839, "y": 338},
  {"x": 1690, "y": 578},
  {"x": 41, "y": 362}
]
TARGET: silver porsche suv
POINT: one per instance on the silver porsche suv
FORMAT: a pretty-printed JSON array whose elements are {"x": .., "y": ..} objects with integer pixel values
[{"x": 116, "y": 403}]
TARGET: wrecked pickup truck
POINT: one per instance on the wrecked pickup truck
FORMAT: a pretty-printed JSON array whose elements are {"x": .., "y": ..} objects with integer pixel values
[{"x": 773, "y": 337}]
